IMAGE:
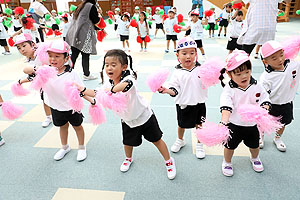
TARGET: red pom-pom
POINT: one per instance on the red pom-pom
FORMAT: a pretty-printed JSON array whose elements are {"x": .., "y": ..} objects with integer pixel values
[
  {"x": 165, "y": 16},
  {"x": 147, "y": 39},
  {"x": 110, "y": 14},
  {"x": 139, "y": 39},
  {"x": 101, "y": 24},
  {"x": 180, "y": 18},
  {"x": 208, "y": 13},
  {"x": 133, "y": 23},
  {"x": 238, "y": 6},
  {"x": 19, "y": 10},
  {"x": 29, "y": 24},
  {"x": 177, "y": 28},
  {"x": 11, "y": 42},
  {"x": 101, "y": 35},
  {"x": 50, "y": 32},
  {"x": 57, "y": 33}
]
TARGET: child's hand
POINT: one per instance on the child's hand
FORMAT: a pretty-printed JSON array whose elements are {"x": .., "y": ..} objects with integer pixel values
[
  {"x": 267, "y": 107},
  {"x": 79, "y": 87},
  {"x": 162, "y": 90}
]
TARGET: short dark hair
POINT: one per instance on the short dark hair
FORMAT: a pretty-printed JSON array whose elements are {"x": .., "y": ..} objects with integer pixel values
[
  {"x": 240, "y": 13},
  {"x": 65, "y": 18}
]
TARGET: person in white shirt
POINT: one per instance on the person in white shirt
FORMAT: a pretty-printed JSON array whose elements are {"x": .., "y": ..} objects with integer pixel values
[
  {"x": 212, "y": 22},
  {"x": 143, "y": 30},
  {"x": 236, "y": 28},
  {"x": 62, "y": 113},
  {"x": 158, "y": 21},
  {"x": 137, "y": 119},
  {"x": 117, "y": 16},
  {"x": 65, "y": 27},
  {"x": 3, "y": 36},
  {"x": 225, "y": 18},
  {"x": 170, "y": 33},
  {"x": 136, "y": 13},
  {"x": 149, "y": 16},
  {"x": 189, "y": 92},
  {"x": 241, "y": 89},
  {"x": 123, "y": 28},
  {"x": 16, "y": 22},
  {"x": 281, "y": 80}
]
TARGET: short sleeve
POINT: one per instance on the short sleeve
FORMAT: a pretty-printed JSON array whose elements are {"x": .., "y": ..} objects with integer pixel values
[
  {"x": 43, "y": 9},
  {"x": 267, "y": 85},
  {"x": 77, "y": 79},
  {"x": 131, "y": 83},
  {"x": 173, "y": 84},
  {"x": 264, "y": 96},
  {"x": 226, "y": 99}
]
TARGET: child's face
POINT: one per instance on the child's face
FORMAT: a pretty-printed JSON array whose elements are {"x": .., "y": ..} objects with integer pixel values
[
  {"x": 57, "y": 59},
  {"x": 228, "y": 9},
  {"x": 113, "y": 68},
  {"x": 141, "y": 17},
  {"x": 171, "y": 15},
  {"x": 175, "y": 9},
  {"x": 239, "y": 18},
  {"x": 137, "y": 11},
  {"x": 125, "y": 18},
  {"x": 148, "y": 11},
  {"x": 276, "y": 60},
  {"x": 117, "y": 12},
  {"x": 194, "y": 18},
  {"x": 25, "y": 49},
  {"x": 157, "y": 12},
  {"x": 187, "y": 57},
  {"x": 241, "y": 78}
]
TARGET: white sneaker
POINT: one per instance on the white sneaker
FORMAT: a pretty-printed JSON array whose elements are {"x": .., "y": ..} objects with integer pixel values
[
  {"x": 126, "y": 165},
  {"x": 47, "y": 122},
  {"x": 204, "y": 57},
  {"x": 6, "y": 53},
  {"x": 61, "y": 153},
  {"x": 177, "y": 145},
  {"x": 279, "y": 144},
  {"x": 90, "y": 77},
  {"x": 227, "y": 169},
  {"x": 2, "y": 142},
  {"x": 171, "y": 169},
  {"x": 257, "y": 164},
  {"x": 200, "y": 152},
  {"x": 141, "y": 50},
  {"x": 81, "y": 155},
  {"x": 145, "y": 50}
]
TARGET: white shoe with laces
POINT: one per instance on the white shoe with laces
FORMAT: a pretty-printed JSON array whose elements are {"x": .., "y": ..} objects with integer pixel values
[
  {"x": 6, "y": 53},
  {"x": 200, "y": 152},
  {"x": 171, "y": 169},
  {"x": 47, "y": 122},
  {"x": 90, "y": 77},
  {"x": 126, "y": 165},
  {"x": 81, "y": 155},
  {"x": 61, "y": 153},
  {"x": 177, "y": 145}
]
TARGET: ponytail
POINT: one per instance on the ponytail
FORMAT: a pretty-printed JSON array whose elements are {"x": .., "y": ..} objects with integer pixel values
[
  {"x": 221, "y": 77},
  {"x": 130, "y": 66}
]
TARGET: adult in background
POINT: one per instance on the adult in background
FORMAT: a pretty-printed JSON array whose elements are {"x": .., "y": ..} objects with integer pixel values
[
  {"x": 198, "y": 4},
  {"x": 260, "y": 23},
  {"x": 82, "y": 36}
]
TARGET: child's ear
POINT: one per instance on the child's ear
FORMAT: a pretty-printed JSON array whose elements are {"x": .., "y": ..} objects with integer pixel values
[
  {"x": 124, "y": 67},
  {"x": 265, "y": 62}
]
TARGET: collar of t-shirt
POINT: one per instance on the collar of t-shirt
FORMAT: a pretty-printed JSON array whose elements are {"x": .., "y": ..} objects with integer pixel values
[
  {"x": 68, "y": 69},
  {"x": 269, "y": 69},
  {"x": 233, "y": 84},
  {"x": 180, "y": 67}
]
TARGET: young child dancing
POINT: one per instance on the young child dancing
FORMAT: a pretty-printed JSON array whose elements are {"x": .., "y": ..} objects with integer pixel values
[{"x": 143, "y": 30}]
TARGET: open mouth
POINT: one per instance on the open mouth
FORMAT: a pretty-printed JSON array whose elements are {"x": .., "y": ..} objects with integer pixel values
[
  {"x": 110, "y": 73},
  {"x": 244, "y": 81}
]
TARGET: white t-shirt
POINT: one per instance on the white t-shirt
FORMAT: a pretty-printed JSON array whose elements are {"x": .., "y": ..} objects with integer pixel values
[
  {"x": 3, "y": 33},
  {"x": 16, "y": 22},
  {"x": 282, "y": 85},
  {"x": 55, "y": 90},
  {"x": 65, "y": 29},
  {"x": 169, "y": 23},
  {"x": 225, "y": 14},
  {"x": 233, "y": 96},
  {"x": 34, "y": 33},
  {"x": 157, "y": 18},
  {"x": 39, "y": 8},
  {"x": 136, "y": 16},
  {"x": 137, "y": 111},
  {"x": 116, "y": 17},
  {"x": 212, "y": 19},
  {"x": 122, "y": 27},
  {"x": 188, "y": 86},
  {"x": 196, "y": 30},
  {"x": 236, "y": 28},
  {"x": 142, "y": 28}
]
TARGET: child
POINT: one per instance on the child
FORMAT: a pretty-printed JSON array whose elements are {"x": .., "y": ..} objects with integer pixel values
[
  {"x": 190, "y": 96},
  {"x": 62, "y": 113},
  {"x": 138, "y": 119},
  {"x": 16, "y": 22},
  {"x": 143, "y": 29},
  {"x": 123, "y": 27},
  {"x": 136, "y": 13},
  {"x": 281, "y": 81},
  {"x": 237, "y": 25},
  {"x": 171, "y": 34},
  {"x": 158, "y": 21},
  {"x": 3, "y": 36},
  {"x": 241, "y": 89},
  {"x": 196, "y": 27},
  {"x": 212, "y": 22},
  {"x": 189, "y": 21},
  {"x": 2, "y": 141},
  {"x": 65, "y": 27},
  {"x": 117, "y": 16},
  {"x": 175, "y": 10},
  {"x": 149, "y": 16},
  {"x": 225, "y": 18}
]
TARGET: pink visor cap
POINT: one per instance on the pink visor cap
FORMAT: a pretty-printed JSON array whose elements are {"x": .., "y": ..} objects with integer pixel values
[
  {"x": 185, "y": 43},
  {"x": 269, "y": 48},
  {"x": 23, "y": 38},
  {"x": 235, "y": 59},
  {"x": 59, "y": 47}
]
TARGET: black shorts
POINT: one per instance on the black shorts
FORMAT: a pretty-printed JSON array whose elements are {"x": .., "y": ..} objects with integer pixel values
[
  {"x": 199, "y": 43},
  {"x": 143, "y": 38},
  {"x": 172, "y": 37},
  {"x": 224, "y": 22},
  {"x": 211, "y": 26},
  {"x": 160, "y": 26},
  {"x": 284, "y": 111},
  {"x": 150, "y": 130},
  {"x": 3, "y": 42},
  {"x": 17, "y": 28},
  {"x": 60, "y": 118},
  {"x": 124, "y": 37},
  {"x": 191, "y": 116},
  {"x": 55, "y": 27},
  {"x": 232, "y": 44},
  {"x": 116, "y": 27},
  {"x": 248, "y": 134}
]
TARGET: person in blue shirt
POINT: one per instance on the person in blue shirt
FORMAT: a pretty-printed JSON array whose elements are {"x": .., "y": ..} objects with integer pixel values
[{"x": 198, "y": 4}]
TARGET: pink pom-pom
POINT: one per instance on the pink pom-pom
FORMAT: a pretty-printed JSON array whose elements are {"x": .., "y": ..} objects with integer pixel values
[
  {"x": 180, "y": 18},
  {"x": 212, "y": 134},
  {"x": 18, "y": 90},
  {"x": 266, "y": 123},
  {"x": 43, "y": 74},
  {"x": 11, "y": 111},
  {"x": 209, "y": 72},
  {"x": 97, "y": 114},
  {"x": 156, "y": 80},
  {"x": 41, "y": 53},
  {"x": 73, "y": 96},
  {"x": 113, "y": 101},
  {"x": 291, "y": 47}
]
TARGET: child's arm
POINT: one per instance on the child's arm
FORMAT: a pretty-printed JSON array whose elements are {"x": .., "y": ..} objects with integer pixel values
[
  {"x": 138, "y": 30},
  {"x": 164, "y": 90},
  {"x": 225, "y": 117},
  {"x": 186, "y": 28},
  {"x": 1, "y": 100},
  {"x": 147, "y": 29},
  {"x": 17, "y": 33},
  {"x": 204, "y": 21}
]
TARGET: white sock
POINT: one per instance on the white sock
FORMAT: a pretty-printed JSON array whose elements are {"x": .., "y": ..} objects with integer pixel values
[
  {"x": 65, "y": 147},
  {"x": 81, "y": 147}
]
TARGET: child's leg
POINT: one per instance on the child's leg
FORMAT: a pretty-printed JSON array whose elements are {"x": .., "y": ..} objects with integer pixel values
[
  {"x": 163, "y": 149},
  {"x": 63, "y": 132},
  {"x": 230, "y": 51},
  {"x": 220, "y": 30},
  {"x": 6, "y": 48},
  {"x": 254, "y": 152},
  {"x": 202, "y": 50},
  {"x": 123, "y": 42},
  {"x": 174, "y": 42},
  {"x": 168, "y": 44},
  {"x": 209, "y": 32},
  {"x": 180, "y": 132},
  {"x": 163, "y": 31},
  {"x": 47, "y": 110},
  {"x": 142, "y": 44},
  {"x": 257, "y": 48},
  {"x": 128, "y": 151},
  {"x": 279, "y": 132},
  {"x": 127, "y": 42},
  {"x": 228, "y": 153},
  {"x": 225, "y": 30},
  {"x": 156, "y": 32},
  {"x": 145, "y": 44},
  {"x": 80, "y": 134}
]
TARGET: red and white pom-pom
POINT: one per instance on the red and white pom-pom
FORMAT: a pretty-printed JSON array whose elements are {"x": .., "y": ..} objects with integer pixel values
[
  {"x": 212, "y": 134},
  {"x": 238, "y": 6},
  {"x": 11, "y": 111},
  {"x": 19, "y": 10},
  {"x": 29, "y": 23},
  {"x": 73, "y": 96},
  {"x": 111, "y": 14},
  {"x": 165, "y": 16},
  {"x": 180, "y": 18},
  {"x": 177, "y": 28},
  {"x": 209, "y": 72},
  {"x": 139, "y": 39},
  {"x": 208, "y": 13},
  {"x": 101, "y": 35},
  {"x": 97, "y": 114},
  {"x": 101, "y": 24},
  {"x": 42, "y": 76},
  {"x": 57, "y": 33},
  {"x": 113, "y": 101},
  {"x": 50, "y": 32},
  {"x": 41, "y": 54},
  {"x": 157, "y": 79},
  {"x": 291, "y": 47},
  {"x": 11, "y": 42},
  {"x": 18, "y": 90},
  {"x": 147, "y": 39},
  {"x": 266, "y": 123},
  {"x": 133, "y": 23}
]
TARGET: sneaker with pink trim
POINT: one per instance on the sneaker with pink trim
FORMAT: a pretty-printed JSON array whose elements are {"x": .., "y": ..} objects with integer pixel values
[
  {"x": 257, "y": 164},
  {"x": 171, "y": 169},
  {"x": 126, "y": 164}
]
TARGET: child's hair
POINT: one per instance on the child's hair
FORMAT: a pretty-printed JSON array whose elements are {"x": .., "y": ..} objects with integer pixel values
[
  {"x": 24, "y": 19},
  {"x": 240, "y": 13},
  {"x": 228, "y": 5},
  {"x": 245, "y": 66},
  {"x": 124, "y": 15},
  {"x": 122, "y": 57},
  {"x": 66, "y": 19}
]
